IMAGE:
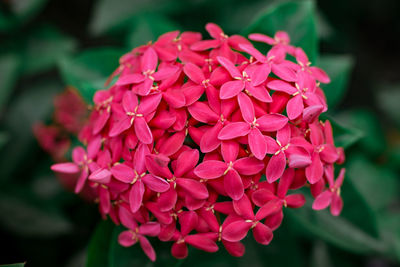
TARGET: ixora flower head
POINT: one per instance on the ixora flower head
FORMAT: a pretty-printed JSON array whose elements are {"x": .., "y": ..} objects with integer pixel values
[{"x": 201, "y": 141}]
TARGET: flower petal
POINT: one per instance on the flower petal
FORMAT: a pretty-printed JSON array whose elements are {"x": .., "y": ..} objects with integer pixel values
[
  {"x": 236, "y": 230},
  {"x": 233, "y": 185},
  {"x": 275, "y": 167},
  {"x": 257, "y": 144},
  {"x": 271, "y": 122},
  {"x": 210, "y": 169},
  {"x": 262, "y": 234},
  {"x": 246, "y": 107},
  {"x": 231, "y": 89},
  {"x": 234, "y": 130}
]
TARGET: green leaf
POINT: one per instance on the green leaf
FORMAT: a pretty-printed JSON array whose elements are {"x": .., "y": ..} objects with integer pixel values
[
  {"x": 112, "y": 15},
  {"x": 13, "y": 265},
  {"x": 390, "y": 228},
  {"x": 120, "y": 256},
  {"x": 336, "y": 230},
  {"x": 320, "y": 255},
  {"x": 339, "y": 68},
  {"x": 32, "y": 106},
  {"x": 388, "y": 101},
  {"x": 99, "y": 245},
  {"x": 373, "y": 141},
  {"x": 27, "y": 8},
  {"x": 20, "y": 12},
  {"x": 147, "y": 28},
  {"x": 9, "y": 66},
  {"x": 295, "y": 17},
  {"x": 89, "y": 70},
  {"x": 344, "y": 136},
  {"x": 26, "y": 219},
  {"x": 44, "y": 47},
  {"x": 378, "y": 185}
]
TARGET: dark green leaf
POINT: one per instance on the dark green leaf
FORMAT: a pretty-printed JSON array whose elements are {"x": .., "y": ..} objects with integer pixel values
[
  {"x": 9, "y": 66},
  {"x": 388, "y": 97},
  {"x": 30, "y": 107},
  {"x": 99, "y": 245},
  {"x": 44, "y": 47},
  {"x": 110, "y": 15},
  {"x": 373, "y": 141},
  {"x": 26, "y": 219},
  {"x": 345, "y": 136},
  {"x": 147, "y": 28},
  {"x": 120, "y": 256},
  {"x": 339, "y": 68},
  {"x": 89, "y": 70},
  {"x": 320, "y": 255},
  {"x": 27, "y": 8},
  {"x": 379, "y": 186},
  {"x": 295, "y": 17},
  {"x": 336, "y": 230},
  {"x": 13, "y": 265}
]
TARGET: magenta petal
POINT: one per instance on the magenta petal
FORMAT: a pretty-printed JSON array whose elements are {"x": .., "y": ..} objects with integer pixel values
[
  {"x": 271, "y": 207},
  {"x": 234, "y": 130},
  {"x": 295, "y": 107},
  {"x": 315, "y": 171},
  {"x": 259, "y": 92},
  {"x": 229, "y": 150},
  {"x": 246, "y": 107},
  {"x": 130, "y": 79},
  {"x": 123, "y": 173},
  {"x": 201, "y": 242},
  {"x": 209, "y": 141},
  {"x": 231, "y": 89},
  {"x": 229, "y": 66},
  {"x": 179, "y": 251},
  {"x": 192, "y": 94},
  {"x": 194, "y": 188},
  {"x": 142, "y": 131},
  {"x": 243, "y": 207},
  {"x": 210, "y": 169},
  {"x": 130, "y": 101},
  {"x": 188, "y": 221},
  {"x": 202, "y": 112},
  {"x": 322, "y": 200},
  {"x": 136, "y": 196},
  {"x": 81, "y": 180},
  {"x": 100, "y": 176},
  {"x": 271, "y": 122},
  {"x": 260, "y": 74},
  {"x": 167, "y": 200},
  {"x": 194, "y": 73},
  {"x": 149, "y": 59},
  {"x": 186, "y": 162},
  {"x": 275, "y": 167},
  {"x": 282, "y": 86},
  {"x": 336, "y": 205},
  {"x": 149, "y": 103},
  {"x": 262, "y": 234},
  {"x": 236, "y": 231},
  {"x": 126, "y": 239},
  {"x": 248, "y": 165},
  {"x": 236, "y": 249},
  {"x": 147, "y": 248},
  {"x": 257, "y": 144},
  {"x": 156, "y": 184},
  {"x": 67, "y": 167},
  {"x": 120, "y": 126},
  {"x": 173, "y": 143},
  {"x": 295, "y": 200},
  {"x": 150, "y": 229},
  {"x": 233, "y": 185}
]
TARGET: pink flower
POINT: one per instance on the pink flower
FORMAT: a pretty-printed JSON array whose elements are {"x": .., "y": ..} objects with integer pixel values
[
  {"x": 331, "y": 196},
  {"x": 176, "y": 148},
  {"x": 253, "y": 127}
]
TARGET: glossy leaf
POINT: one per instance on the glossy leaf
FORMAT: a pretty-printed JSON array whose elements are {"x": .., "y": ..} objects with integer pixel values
[
  {"x": 89, "y": 70},
  {"x": 295, "y": 17},
  {"x": 9, "y": 67},
  {"x": 338, "y": 68},
  {"x": 99, "y": 245}
]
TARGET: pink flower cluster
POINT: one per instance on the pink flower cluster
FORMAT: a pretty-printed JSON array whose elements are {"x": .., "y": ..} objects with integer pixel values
[{"x": 201, "y": 141}]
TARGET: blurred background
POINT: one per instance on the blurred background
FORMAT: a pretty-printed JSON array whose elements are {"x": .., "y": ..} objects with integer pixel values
[{"x": 48, "y": 45}]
